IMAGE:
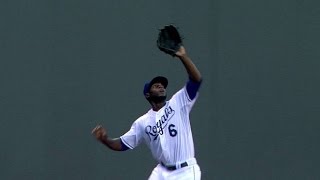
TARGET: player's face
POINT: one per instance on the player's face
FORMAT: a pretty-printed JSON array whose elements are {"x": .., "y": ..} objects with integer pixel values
[{"x": 157, "y": 89}]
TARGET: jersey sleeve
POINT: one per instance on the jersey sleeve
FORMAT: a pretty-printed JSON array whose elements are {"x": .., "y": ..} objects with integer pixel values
[
  {"x": 186, "y": 97},
  {"x": 192, "y": 88},
  {"x": 133, "y": 137}
]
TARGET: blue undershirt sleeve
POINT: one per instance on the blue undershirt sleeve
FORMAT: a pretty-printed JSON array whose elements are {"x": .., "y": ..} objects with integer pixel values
[
  {"x": 192, "y": 88},
  {"x": 123, "y": 146}
]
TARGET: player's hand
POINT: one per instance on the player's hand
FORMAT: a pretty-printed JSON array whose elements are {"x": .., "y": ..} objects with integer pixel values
[
  {"x": 181, "y": 52},
  {"x": 100, "y": 133}
]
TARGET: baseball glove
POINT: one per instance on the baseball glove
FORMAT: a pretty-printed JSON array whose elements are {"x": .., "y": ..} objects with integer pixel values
[{"x": 169, "y": 40}]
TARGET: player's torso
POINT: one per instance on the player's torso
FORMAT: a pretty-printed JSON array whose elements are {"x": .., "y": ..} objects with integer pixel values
[
  {"x": 168, "y": 132},
  {"x": 161, "y": 123}
]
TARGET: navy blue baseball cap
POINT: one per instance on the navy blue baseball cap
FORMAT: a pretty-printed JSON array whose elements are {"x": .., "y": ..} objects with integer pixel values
[{"x": 158, "y": 79}]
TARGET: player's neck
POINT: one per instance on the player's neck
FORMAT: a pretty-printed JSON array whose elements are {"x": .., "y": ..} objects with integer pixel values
[{"x": 157, "y": 106}]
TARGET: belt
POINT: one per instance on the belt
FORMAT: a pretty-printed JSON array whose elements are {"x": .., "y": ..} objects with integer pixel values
[{"x": 174, "y": 167}]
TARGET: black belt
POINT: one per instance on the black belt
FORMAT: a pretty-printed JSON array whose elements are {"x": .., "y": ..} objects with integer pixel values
[{"x": 172, "y": 168}]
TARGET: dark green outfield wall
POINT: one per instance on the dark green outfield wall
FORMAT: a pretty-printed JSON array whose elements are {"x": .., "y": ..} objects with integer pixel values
[{"x": 66, "y": 66}]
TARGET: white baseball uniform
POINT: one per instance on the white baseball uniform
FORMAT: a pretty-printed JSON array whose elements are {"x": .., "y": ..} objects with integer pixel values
[{"x": 167, "y": 133}]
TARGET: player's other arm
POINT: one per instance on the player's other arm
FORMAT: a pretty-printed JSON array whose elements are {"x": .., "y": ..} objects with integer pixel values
[{"x": 113, "y": 143}]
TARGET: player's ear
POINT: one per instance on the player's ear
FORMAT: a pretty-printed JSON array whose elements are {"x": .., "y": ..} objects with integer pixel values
[{"x": 147, "y": 95}]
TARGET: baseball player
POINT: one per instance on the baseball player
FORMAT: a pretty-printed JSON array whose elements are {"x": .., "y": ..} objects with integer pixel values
[{"x": 165, "y": 128}]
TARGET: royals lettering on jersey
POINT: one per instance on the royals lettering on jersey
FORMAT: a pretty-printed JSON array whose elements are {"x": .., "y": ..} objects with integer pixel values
[{"x": 154, "y": 131}]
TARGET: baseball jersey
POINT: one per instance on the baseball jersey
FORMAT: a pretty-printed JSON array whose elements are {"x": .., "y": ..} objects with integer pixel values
[{"x": 166, "y": 132}]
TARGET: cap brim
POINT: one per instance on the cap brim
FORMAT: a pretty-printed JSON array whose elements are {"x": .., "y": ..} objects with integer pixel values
[{"x": 159, "y": 79}]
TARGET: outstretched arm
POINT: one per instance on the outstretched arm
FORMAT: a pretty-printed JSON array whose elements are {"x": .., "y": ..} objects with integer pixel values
[
  {"x": 195, "y": 78},
  {"x": 191, "y": 68},
  {"x": 113, "y": 143}
]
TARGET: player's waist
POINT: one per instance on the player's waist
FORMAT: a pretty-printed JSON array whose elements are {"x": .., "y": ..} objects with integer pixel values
[{"x": 178, "y": 165}]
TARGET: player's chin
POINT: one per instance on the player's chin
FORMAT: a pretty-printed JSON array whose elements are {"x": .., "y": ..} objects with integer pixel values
[
  {"x": 162, "y": 94},
  {"x": 163, "y": 97},
  {"x": 158, "y": 99}
]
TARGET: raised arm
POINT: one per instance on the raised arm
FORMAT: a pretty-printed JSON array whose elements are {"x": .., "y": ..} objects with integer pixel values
[
  {"x": 191, "y": 68},
  {"x": 113, "y": 143}
]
